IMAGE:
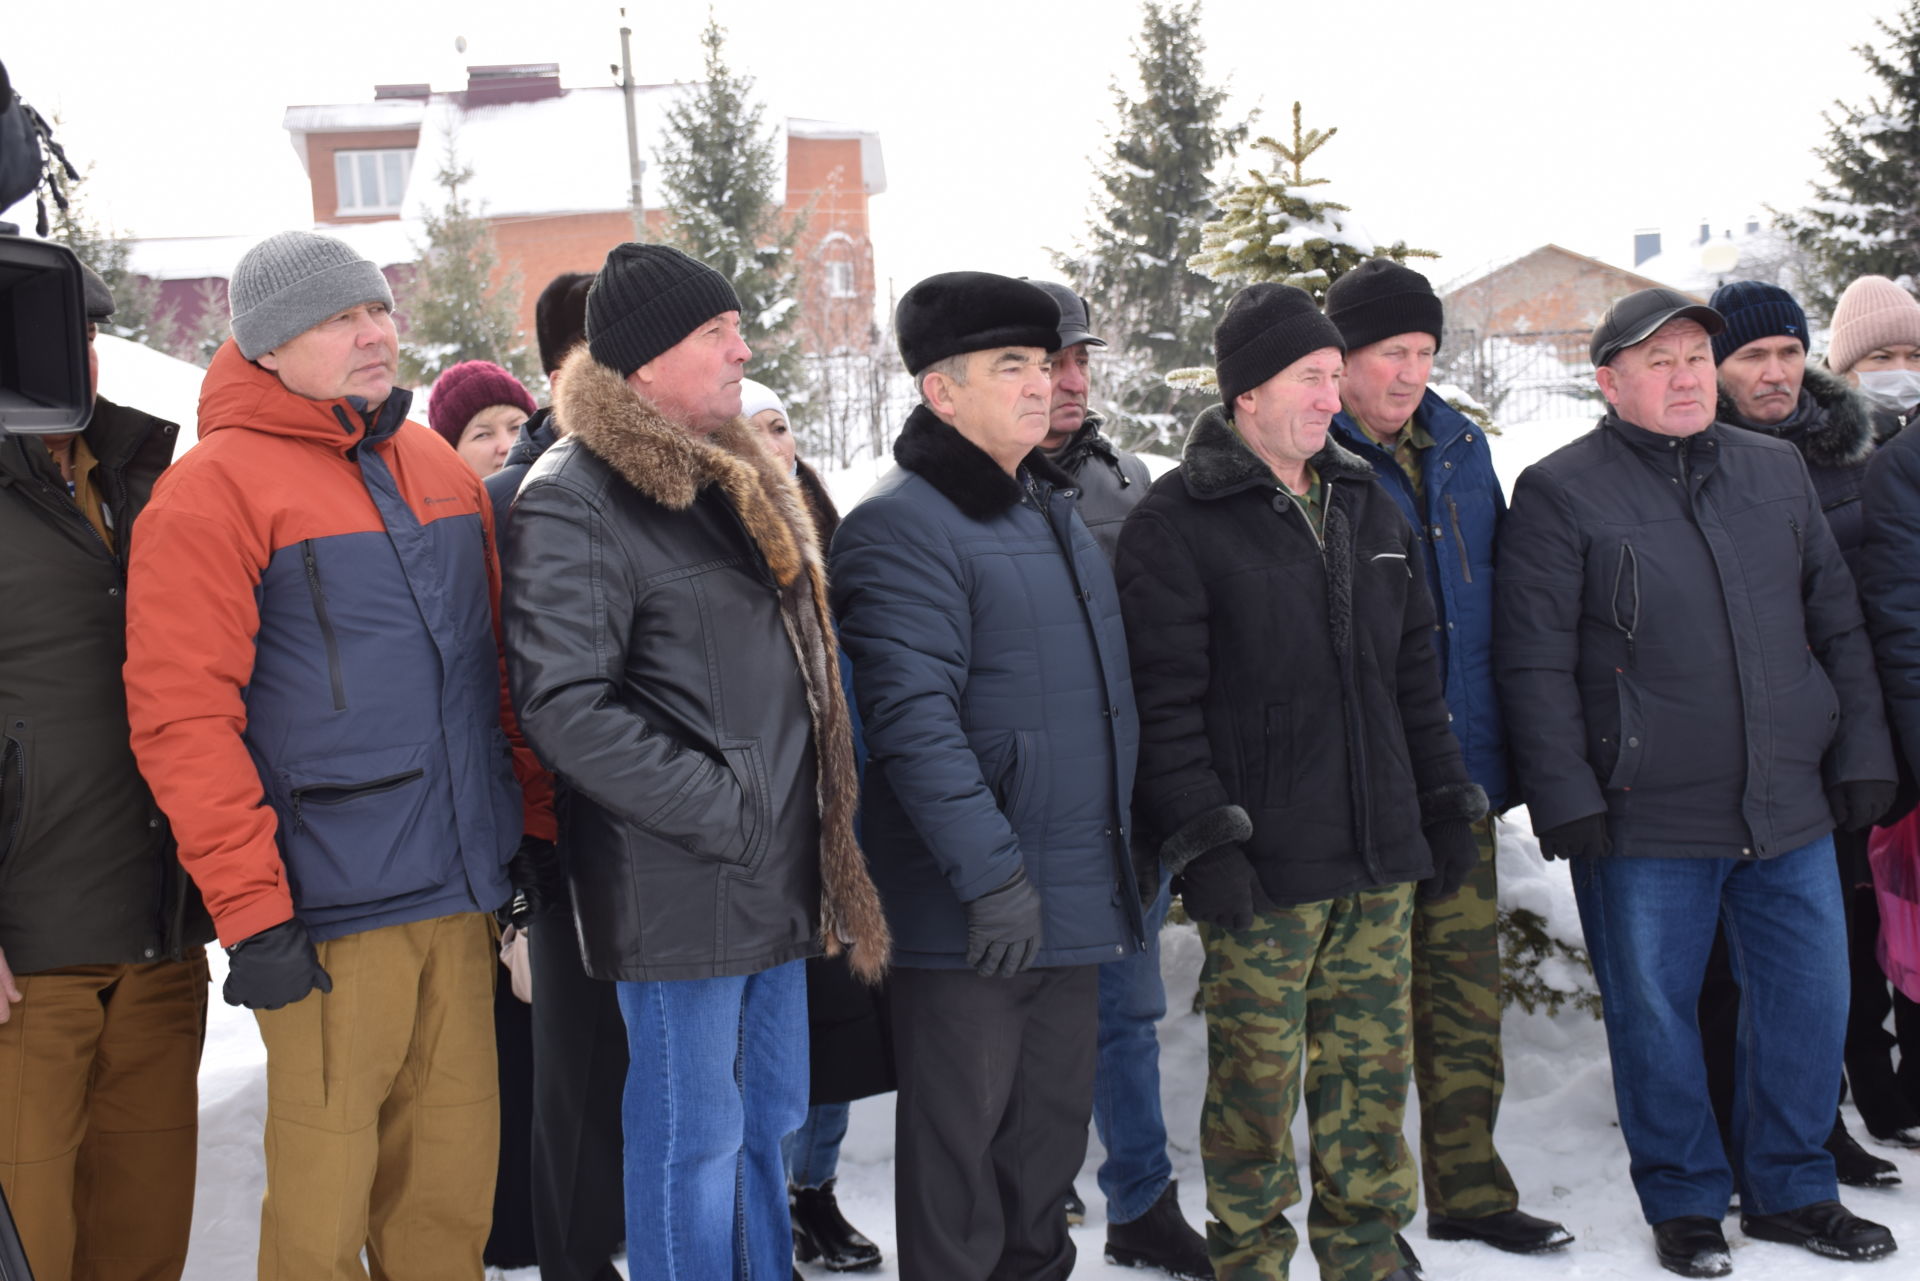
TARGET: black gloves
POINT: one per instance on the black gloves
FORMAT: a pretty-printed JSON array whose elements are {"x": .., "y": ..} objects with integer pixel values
[
  {"x": 539, "y": 882},
  {"x": 1582, "y": 838},
  {"x": 1859, "y": 805},
  {"x": 1221, "y": 888},
  {"x": 275, "y": 967},
  {"x": 1455, "y": 854},
  {"x": 1003, "y": 929}
]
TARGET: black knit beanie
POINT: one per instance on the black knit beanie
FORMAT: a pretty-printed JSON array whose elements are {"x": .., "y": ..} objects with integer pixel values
[
  {"x": 1755, "y": 310},
  {"x": 1267, "y": 327},
  {"x": 646, "y": 299},
  {"x": 1379, "y": 299}
]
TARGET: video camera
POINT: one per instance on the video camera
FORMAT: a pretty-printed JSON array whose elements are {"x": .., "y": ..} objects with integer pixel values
[{"x": 43, "y": 314}]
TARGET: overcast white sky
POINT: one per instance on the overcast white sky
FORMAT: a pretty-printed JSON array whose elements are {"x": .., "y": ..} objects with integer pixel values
[{"x": 1479, "y": 128}]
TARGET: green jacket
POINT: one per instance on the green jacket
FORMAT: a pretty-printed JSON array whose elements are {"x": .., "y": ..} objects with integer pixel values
[{"x": 87, "y": 869}]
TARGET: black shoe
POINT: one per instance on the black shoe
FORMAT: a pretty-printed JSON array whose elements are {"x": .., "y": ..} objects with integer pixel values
[
  {"x": 1514, "y": 1231},
  {"x": 821, "y": 1234},
  {"x": 1161, "y": 1238},
  {"x": 1856, "y": 1167},
  {"x": 1076, "y": 1208},
  {"x": 1692, "y": 1246},
  {"x": 1825, "y": 1227},
  {"x": 1906, "y": 1136}
]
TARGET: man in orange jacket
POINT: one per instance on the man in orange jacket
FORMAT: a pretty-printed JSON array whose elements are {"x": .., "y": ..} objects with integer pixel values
[{"x": 314, "y": 686}]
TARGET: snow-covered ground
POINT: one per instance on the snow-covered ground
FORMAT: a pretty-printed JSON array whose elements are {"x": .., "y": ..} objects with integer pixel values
[
  {"x": 1557, "y": 1133},
  {"x": 1557, "y": 1129}
]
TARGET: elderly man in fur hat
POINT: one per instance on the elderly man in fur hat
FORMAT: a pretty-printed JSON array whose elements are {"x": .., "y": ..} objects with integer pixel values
[
  {"x": 673, "y": 663},
  {"x": 991, "y": 669}
]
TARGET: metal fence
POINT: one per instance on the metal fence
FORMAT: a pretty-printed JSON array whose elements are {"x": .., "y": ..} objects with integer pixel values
[{"x": 1522, "y": 377}]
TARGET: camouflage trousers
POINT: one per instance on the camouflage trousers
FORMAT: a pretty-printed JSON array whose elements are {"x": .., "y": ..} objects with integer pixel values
[
  {"x": 1457, "y": 1065},
  {"x": 1320, "y": 988}
]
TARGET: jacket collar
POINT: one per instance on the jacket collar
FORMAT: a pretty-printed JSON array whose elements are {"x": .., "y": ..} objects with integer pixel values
[
  {"x": 1217, "y": 462},
  {"x": 239, "y": 393},
  {"x": 122, "y": 440},
  {"x": 537, "y": 435},
  {"x": 652, "y": 454},
  {"x": 962, "y": 471},
  {"x": 1436, "y": 417},
  {"x": 1087, "y": 442},
  {"x": 1841, "y": 434}
]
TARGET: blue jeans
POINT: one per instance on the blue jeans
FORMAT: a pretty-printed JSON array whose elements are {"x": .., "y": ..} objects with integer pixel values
[
  {"x": 813, "y": 1150},
  {"x": 1650, "y": 924},
  {"x": 1126, "y": 1081},
  {"x": 716, "y": 1077}
]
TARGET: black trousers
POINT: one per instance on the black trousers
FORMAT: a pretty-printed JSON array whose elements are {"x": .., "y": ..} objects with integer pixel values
[
  {"x": 579, "y": 1070},
  {"x": 996, "y": 1090},
  {"x": 510, "y": 1244}
]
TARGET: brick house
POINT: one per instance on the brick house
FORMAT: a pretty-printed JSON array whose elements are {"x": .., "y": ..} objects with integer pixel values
[{"x": 551, "y": 176}]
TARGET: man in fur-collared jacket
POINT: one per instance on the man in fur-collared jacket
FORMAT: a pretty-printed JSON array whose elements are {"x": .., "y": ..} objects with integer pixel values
[
  {"x": 1299, "y": 779},
  {"x": 670, "y": 651},
  {"x": 991, "y": 669}
]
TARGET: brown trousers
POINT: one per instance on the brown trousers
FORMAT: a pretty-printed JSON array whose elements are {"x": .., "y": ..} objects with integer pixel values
[
  {"x": 99, "y": 1117},
  {"x": 383, "y": 1113}
]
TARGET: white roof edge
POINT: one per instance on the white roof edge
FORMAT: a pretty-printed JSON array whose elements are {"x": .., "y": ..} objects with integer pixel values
[
  {"x": 804, "y": 127},
  {"x": 354, "y": 117}
]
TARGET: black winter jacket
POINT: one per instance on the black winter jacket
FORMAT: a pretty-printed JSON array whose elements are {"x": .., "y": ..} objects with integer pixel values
[
  {"x": 1679, "y": 645},
  {"x": 1833, "y": 430},
  {"x": 88, "y": 874},
  {"x": 991, "y": 669},
  {"x": 536, "y": 437},
  {"x": 1285, "y": 677},
  {"x": 1110, "y": 480},
  {"x": 1890, "y": 579},
  {"x": 672, "y": 664}
]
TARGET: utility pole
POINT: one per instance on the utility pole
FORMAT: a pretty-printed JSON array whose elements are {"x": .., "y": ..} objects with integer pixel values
[{"x": 635, "y": 165}]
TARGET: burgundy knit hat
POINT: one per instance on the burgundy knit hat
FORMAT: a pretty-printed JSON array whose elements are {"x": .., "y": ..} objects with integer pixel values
[{"x": 468, "y": 388}]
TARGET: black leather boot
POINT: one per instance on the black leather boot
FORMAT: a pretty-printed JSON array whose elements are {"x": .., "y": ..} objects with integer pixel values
[
  {"x": 1161, "y": 1238},
  {"x": 821, "y": 1234}
]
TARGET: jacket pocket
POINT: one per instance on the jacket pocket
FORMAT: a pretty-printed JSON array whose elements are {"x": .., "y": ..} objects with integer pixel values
[
  {"x": 1460, "y": 539},
  {"x": 1628, "y": 744},
  {"x": 1626, "y": 595},
  {"x": 13, "y": 784},
  {"x": 749, "y": 767},
  {"x": 366, "y": 826},
  {"x": 336, "y": 679},
  {"x": 1277, "y": 755}
]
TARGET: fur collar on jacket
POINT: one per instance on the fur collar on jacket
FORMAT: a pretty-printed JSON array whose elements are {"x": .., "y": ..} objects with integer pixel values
[
  {"x": 962, "y": 470},
  {"x": 1844, "y": 435},
  {"x": 670, "y": 467},
  {"x": 1217, "y": 462}
]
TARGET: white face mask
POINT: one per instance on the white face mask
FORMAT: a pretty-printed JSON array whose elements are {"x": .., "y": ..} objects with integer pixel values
[{"x": 1895, "y": 389}]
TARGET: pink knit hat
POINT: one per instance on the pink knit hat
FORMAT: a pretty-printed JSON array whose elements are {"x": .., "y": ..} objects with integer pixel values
[
  {"x": 468, "y": 388},
  {"x": 1871, "y": 313}
]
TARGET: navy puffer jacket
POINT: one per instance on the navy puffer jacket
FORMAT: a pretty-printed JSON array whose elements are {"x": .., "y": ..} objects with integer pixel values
[{"x": 991, "y": 671}]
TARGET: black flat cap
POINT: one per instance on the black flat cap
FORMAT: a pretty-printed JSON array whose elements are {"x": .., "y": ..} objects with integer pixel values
[
  {"x": 1632, "y": 320},
  {"x": 1076, "y": 320}
]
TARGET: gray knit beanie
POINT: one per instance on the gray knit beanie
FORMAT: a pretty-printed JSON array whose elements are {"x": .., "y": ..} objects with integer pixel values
[{"x": 288, "y": 283}]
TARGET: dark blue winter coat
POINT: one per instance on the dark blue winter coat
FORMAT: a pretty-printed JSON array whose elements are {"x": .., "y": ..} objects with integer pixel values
[
  {"x": 1890, "y": 578},
  {"x": 991, "y": 669},
  {"x": 1457, "y": 523}
]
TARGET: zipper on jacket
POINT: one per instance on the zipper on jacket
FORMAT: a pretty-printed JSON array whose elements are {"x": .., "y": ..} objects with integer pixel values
[
  {"x": 326, "y": 628},
  {"x": 1453, "y": 511},
  {"x": 15, "y": 752},
  {"x": 1799, "y": 546},
  {"x": 335, "y": 793},
  {"x": 1627, "y": 568}
]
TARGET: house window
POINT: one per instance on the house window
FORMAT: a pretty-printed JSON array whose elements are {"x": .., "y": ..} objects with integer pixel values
[
  {"x": 371, "y": 181},
  {"x": 840, "y": 280}
]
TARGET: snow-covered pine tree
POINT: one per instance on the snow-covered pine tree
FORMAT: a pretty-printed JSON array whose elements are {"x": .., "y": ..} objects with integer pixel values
[
  {"x": 454, "y": 308},
  {"x": 1284, "y": 226},
  {"x": 1865, "y": 215},
  {"x": 138, "y": 314},
  {"x": 720, "y": 178},
  {"x": 1157, "y": 186}
]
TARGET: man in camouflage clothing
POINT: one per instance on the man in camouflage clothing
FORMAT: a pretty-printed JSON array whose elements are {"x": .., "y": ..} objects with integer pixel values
[
  {"x": 1298, "y": 777},
  {"x": 1435, "y": 464}
]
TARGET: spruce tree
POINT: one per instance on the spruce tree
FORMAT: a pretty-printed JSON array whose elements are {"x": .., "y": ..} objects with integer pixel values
[
  {"x": 1283, "y": 226},
  {"x": 1865, "y": 215},
  {"x": 720, "y": 179},
  {"x": 1156, "y": 189},
  {"x": 454, "y": 310},
  {"x": 138, "y": 314}
]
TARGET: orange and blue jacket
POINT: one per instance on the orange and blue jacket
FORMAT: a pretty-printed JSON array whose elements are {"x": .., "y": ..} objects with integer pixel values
[{"x": 313, "y": 666}]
